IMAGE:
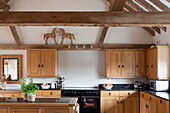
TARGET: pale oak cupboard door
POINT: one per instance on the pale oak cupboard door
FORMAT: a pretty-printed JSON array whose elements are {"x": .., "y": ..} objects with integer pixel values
[
  {"x": 3, "y": 110},
  {"x": 48, "y": 63},
  {"x": 128, "y": 63},
  {"x": 57, "y": 110},
  {"x": 143, "y": 106},
  {"x": 141, "y": 63},
  {"x": 110, "y": 105},
  {"x": 113, "y": 64},
  {"x": 26, "y": 110},
  {"x": 129, "y": 105},
  {"x": 33, "y": 63},
  {"x": 163, "y": 106},
  {"x": 152, "y": 107}
]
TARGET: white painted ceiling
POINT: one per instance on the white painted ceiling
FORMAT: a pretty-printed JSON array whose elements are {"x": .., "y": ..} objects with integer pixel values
[{"x": 84, "y": 35}]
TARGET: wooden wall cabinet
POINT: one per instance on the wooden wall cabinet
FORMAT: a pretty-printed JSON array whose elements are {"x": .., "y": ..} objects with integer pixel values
[
  {"x": 125, "y": 63},
  {"x": 41, "y": 63},
  {"x": 119, "y": 102},
  {"x": 158, "y": 64}
]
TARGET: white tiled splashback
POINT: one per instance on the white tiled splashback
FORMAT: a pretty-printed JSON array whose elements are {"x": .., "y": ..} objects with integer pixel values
[{"x": 80, "y": 69}]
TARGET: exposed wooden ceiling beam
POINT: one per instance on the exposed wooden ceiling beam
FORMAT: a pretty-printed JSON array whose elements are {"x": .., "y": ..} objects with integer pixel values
[
  {"x": 76, "y": 47},
  {"x": 148, "y": 29},
  {"x": 160, "y": 5},
  {"x": 103, "y": 35},
  {"x": 15, "y": 35},
  {"x": 115, "y": 5},
  {"x": 149, "y": 7},
  {"x": 12, "y": 28},
  {"x": 137, "y": 8},
  {"x": 4, "y": 6},
  {"x": 84, "y": 19}
]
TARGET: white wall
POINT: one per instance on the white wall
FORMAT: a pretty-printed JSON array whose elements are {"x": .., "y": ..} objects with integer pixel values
[{"x": 164, "y": 37}]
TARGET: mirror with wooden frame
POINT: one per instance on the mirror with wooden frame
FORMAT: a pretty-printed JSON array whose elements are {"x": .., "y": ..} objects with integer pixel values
[{"x": 11, "y": 67}]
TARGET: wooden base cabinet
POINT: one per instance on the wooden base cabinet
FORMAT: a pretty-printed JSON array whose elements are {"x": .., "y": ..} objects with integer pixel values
[
  {"x": 129, "y": 105},
  {"x": 119, "y": 102},
  {"x": 125, "y": 63},
  {"x": 153, "y": 104},
  {"x": 110, "y": 105},
  {"x": 26, "y": 110}
]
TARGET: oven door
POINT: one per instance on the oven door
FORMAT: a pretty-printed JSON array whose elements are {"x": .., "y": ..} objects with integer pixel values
[{"x": 90, "y": 104}]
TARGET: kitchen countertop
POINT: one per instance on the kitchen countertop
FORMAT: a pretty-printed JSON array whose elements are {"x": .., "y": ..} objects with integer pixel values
[
  {"x": 163, "y": 95},
  {"x": 41, "y": 101}
]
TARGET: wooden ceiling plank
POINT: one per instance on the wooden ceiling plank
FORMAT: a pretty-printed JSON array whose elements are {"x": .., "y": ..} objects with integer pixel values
[
  {"x": 4, "y": 6},
  {"x": 73, "y": 47},
  {"x": 15, "y": 35},
  {"x": 84, "y": 19},
  {"x": 160, "y": 5},
  {"x": 146, "y": 5},
  {"x": 168, "y": 1}
]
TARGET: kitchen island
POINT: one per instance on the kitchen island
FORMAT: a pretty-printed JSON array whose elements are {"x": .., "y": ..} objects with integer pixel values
[{"x": 41, "y": 105}]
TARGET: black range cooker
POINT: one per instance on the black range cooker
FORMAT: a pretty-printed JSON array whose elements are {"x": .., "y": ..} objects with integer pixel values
[{"x": 88, "y": 98}]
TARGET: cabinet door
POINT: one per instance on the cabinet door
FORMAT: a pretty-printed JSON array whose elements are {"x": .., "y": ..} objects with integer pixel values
[
  {"x": 110, "y": 105},
  {"x": 155, "y": 60},
  {"x": 26, "y": 110},
  {"x": 57, "y": 110},
  {"x": 128, "y": 64},
  {"x": 152, "y": 107},
  {"x": 141, "y": 63},
  {"x": 3, "y": 110},
  {"x": 143, "y": 106},
  {"x": 129, "y": 105},
  {"x": 113, "y": 64},
  {"x": 33, "y": 63},
  {"x": 163, "y": 106},
  {"x": 48, "y": 63}
]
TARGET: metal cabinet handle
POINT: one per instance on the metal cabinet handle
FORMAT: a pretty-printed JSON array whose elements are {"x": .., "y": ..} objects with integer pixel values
[
  {"x": 151, "y": 66},
  {"x": 119, "y": 66},
  {"x": 129, "y": 93},
  {"x": 110, "y": 93},
  {"x": 147, "y": 66},
  {"x": 121, "y": 102},
  {"x": 137, "y": 66},
  {"x": 150, "y": 98},
  {"x": 160, "y": 101},
  {"x": 38, "y": 65},
  {"x": 51, "y": 93},
  {"x": 122, "y": 66},
  {"x": 117, "y": 102},
  {"x": 143, "y": 95},
  {"x": 42, "y": 65}
]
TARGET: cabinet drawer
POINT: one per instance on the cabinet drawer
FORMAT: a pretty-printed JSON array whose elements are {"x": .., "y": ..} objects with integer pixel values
[
  {"x": 12, "y": 94},
  {"x": 129, "y": 93},
  {"x": 58, "y": 110},
  {"x": 51, "y": 93},
  {"x": 38, "y": 93},
  {"x": 109, "y": 93}
]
